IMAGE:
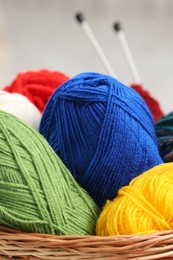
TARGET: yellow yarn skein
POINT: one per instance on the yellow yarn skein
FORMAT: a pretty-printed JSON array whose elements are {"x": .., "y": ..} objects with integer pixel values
[{"x": 144, "y": 206}]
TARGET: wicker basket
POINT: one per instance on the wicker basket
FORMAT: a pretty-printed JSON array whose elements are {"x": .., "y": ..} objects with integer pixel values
[{"x": 19, "y": 245}]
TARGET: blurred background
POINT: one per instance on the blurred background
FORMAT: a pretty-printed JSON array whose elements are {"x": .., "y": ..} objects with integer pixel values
[{"x": 38, "y": 34}]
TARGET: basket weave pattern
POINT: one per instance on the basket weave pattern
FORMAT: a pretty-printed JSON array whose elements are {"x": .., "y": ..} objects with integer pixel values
[{"x": 19, "y": 245}]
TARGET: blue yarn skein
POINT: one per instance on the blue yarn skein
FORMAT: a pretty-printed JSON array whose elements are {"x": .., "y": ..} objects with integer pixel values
[{"x": 103, "y": 131}]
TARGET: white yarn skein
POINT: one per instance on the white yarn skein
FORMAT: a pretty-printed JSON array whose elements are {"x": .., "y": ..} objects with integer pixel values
[{"x": 21, "y": 107}]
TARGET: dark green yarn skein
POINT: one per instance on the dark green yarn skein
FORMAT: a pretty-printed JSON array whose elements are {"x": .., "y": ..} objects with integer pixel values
[
  {"x": 37, "y": 192},
  {"x": 164, "y": 133}
]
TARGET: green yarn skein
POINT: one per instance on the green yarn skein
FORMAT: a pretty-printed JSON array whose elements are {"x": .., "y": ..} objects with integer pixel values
[
  {"x": 37, "y": 192},
  {"x": 165, "y": 123}
]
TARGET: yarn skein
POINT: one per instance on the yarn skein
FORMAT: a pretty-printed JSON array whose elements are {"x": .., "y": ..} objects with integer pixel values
[
  {"x": 164, "y": 133},
  {"x": 151, "y": 102},
  {"x": 37, "y": 192},
  {"x": 21, "y": 107},
  {"x": 145, "y": 206},
  {"x": 102, "y": 130},
  {"x": 37, "y": 86}
]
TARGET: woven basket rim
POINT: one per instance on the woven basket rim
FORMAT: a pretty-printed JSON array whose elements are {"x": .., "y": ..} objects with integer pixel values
[{"x": 19, "y": 245}]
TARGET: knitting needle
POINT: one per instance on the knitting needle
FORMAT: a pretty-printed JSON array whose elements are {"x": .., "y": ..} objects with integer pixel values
[
  {"x": 119, "y": 31},
  {"x": 81, "y": 19}
]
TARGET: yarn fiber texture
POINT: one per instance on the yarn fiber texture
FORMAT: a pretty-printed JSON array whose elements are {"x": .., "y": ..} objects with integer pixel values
[
  {"x": 144, "y": 206},
  {"x": 21, "y": 107},
  {"x": 37, "y": 86},
  {"x": 37, "y": 192},
  {"x": 103, "y": 131},
  {"x": 164, "y": 133},
  {"x": 151, "y": 102}
]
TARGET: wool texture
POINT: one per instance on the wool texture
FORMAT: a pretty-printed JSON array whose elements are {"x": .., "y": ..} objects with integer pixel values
[
  {"x": 37, "y": 192},
  {"x": 21, "y": 107},
  {"x": 102, "y": 130},
  {"x": 37, "y": 86},
  {"x": 164, "y": 133},
  {"x": 151, "y": 102},
  {"x": 145, "y": 206}
]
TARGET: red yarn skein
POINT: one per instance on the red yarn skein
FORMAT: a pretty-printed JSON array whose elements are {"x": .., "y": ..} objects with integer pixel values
[
  {"x": 152, "y": 103},
  {"x": 37, "y": 86}
]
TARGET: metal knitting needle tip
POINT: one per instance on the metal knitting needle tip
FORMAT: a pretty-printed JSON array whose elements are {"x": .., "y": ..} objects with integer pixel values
[
  {"x": 80, "y": 18},
  {"x": 120, "y": 33}
]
